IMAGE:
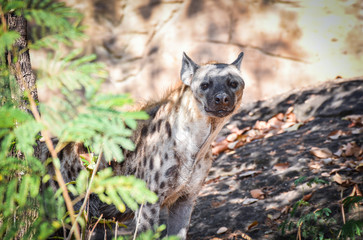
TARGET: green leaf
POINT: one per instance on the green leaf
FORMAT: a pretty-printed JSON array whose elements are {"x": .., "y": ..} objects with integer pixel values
[
  {"x": 26, "y": 135},
  {"x": 125, "y": 143},
  {"x": 82, "y": 181},
  {"x": 110, "y": 101},
  {"x": 13, "y": 5},
  {"x": 136, "y": 115},
  {"x": 350, "y": 201},
  {"x": 7, "y": 39},
  {"x": 6, "y": 144},
  {"x": 131, "y": 123},
  {"x": 10, "y": 116}
]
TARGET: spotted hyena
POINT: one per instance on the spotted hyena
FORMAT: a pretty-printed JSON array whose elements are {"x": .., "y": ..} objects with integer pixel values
[{"x": 173, "y": 147}]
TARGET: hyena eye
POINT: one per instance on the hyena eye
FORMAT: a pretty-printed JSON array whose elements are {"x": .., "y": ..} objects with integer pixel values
[
  {"x": 204, "y": 86},
  {"x": 233, "y": 84}
]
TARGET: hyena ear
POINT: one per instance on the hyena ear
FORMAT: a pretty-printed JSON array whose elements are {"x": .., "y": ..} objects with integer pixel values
[
  {"x": 188, "y": 69},
  {"x": 238, "y": 61}
]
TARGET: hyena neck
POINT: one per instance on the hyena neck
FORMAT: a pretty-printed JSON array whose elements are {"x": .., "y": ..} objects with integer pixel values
[{"x": 193, "y": 130}]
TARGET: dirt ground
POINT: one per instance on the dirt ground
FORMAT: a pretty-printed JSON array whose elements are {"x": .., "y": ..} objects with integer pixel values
[
  {"x": 314, "y": 132},
  {"x": 310, "y": 134}
]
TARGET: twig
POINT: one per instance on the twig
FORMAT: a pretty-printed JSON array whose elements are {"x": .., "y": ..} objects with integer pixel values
[
  {"x": 116, "y": 225},
  {"x": 77, "y": 199},
  {"x": 342, "y": 206},
  {"x": 3, "y": 20},
  {"x": 58, "y": 174},
  {"x": 137, "y": 222},
  {"x": 64, "y": 229},
  {"x": 87, "y": 194},
  {"x": 99, "y": 219},
  {"x": 299, "y": 232}
]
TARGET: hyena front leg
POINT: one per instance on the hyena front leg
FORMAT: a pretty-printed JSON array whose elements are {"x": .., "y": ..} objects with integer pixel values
[
  {"x": 179, "y": 216},
  {"x": 147, "y": 217}
]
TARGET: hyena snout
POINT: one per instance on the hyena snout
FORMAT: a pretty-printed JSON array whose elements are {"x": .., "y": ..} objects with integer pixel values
[
  {"x": 222, "y": 99},
  {"x": 220, "y": 104}
]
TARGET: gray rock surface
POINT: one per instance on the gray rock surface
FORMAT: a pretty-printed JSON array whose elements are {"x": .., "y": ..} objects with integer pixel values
[
  {"x": 222, "y": 201},
  {"x": 287, "y": 44}
]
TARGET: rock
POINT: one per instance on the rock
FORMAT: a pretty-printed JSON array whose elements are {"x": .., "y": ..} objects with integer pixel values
[{"x": 286, "y": 45}]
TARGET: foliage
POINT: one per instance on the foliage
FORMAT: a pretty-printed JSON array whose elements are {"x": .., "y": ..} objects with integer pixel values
[
  {"x": 78, "y": 112},
  {"x": 153, "y": 235},
  {"x": 115, "y": 190},
  {"x": 319, "y": 224},
  {"x": 20, "y": 179}
]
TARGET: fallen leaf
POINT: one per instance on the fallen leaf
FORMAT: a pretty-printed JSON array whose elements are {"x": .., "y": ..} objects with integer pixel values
[
  {"x": 274, "y": 216},
  {"x": 307, "y": 197},
  {"x": 236, "y": 201},
  {"x": 285, "y": 210},
  {"x": 321, "y": 152},
  {"x": 325, "y": 174},
  {"x": 257, "y": 193},
  {"x": 349, "y": 150},
  {"x": 281, "y": 166},
  {"x": 337, "y": 178},
  {"x": 232, "y": 137},
  {"x": 248, "y": 201},
  {"x": 352, "y": 149},
  {"x": 327, "y": 161},
  {"x": 270, "y": 134},
  {"x": 253, "y": 224},
  {"x": 357, "y": 120},
  {"x": 314, "y": 165},
  {"x": 220, "y": 147},
  {"x": 345, "y": 182},
  {"x": 238, "y": 235},
  {"x": 293, "y": 127},
  {"x": 249, "y": 173},
  {"x": 359, "y": 167},
  {"x": 356, "y": 191},
  {"x": 290, "y": 110},
  {"x": 232, "y": 145},
  {"x": 245, "y": 236},
  {"x": 357, "y": 131},
  {"x": 336, "y": 134},
  {"x": 216, "y": 204},
  {"x": 276, "y": 121},
  {"x": 272, "y": 153},
  {"x": 339, "y": 152},
  {"x": 261, "y": 125},
  {"x": 222, "y": 230},
  {"x": 335, "y": 170}
]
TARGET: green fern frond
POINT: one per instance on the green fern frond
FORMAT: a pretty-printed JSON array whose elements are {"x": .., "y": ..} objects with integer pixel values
[
  {"x": 7, "y": 39},
  {"x": 119, "y": 190}
]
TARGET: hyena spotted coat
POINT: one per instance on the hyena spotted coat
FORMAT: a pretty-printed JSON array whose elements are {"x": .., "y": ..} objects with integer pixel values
[{"x": 173, "y": 154}]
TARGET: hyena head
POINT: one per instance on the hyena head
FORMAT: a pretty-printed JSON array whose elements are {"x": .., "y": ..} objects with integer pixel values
[{"x": 217, "y": 87}]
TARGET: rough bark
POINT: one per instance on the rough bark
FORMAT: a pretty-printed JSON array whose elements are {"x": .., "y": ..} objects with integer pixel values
[{"x": 21, "y": 67}]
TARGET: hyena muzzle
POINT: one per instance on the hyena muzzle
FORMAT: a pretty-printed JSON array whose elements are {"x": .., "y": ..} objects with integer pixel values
[{"x": 173, "y": 154}]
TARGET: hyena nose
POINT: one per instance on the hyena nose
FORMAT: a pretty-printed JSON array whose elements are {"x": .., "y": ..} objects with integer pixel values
[{"x": 221, "y": 98}]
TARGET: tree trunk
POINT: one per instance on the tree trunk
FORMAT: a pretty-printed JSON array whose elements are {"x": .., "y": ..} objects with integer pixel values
[
  {"x": 20, "y": 66},
  {"x": 20, "y": 62}
]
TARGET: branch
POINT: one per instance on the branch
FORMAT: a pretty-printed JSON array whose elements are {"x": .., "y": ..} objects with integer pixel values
[
  {"x": 58, "y": 174},
  {"x": 87, "y": 193}
]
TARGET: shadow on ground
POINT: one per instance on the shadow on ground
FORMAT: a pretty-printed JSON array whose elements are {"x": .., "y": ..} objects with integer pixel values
[{"x": 225, "y": 203}]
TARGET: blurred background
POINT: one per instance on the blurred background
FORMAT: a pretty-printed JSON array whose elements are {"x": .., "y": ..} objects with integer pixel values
[{"x": 287, "y": 44}]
